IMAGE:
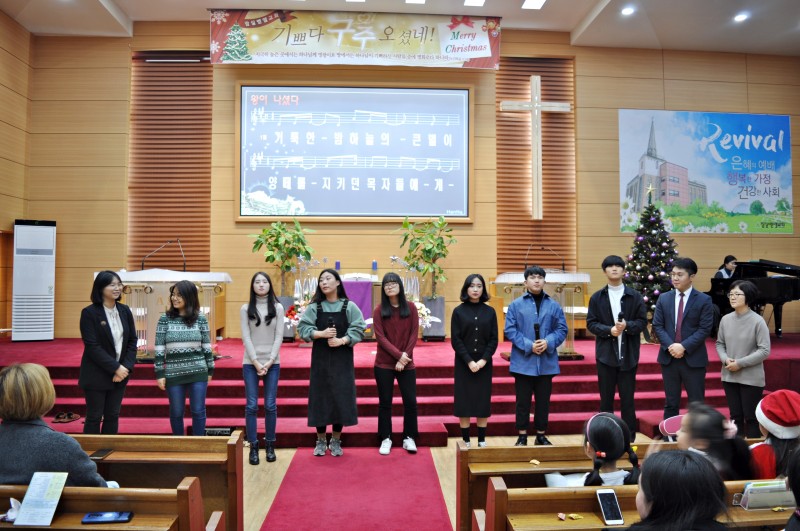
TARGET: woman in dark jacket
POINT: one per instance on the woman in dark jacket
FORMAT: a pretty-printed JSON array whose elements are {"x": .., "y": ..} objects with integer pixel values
[{"x": 109, "y": 353}]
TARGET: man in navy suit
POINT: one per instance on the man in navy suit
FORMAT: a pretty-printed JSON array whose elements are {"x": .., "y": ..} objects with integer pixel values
[{"x": 682, "y": 322}]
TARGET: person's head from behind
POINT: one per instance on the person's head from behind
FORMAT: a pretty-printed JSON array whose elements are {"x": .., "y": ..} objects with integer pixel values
[
  {"x": 705, "y": 429},
  {"x": 679, "y": 490},
  {"x": 26, "y": 392},
  {"x": 474, "y": 289},
  {"x": 107, "y": 287},
  {"x": 392, "y": 287},
  {"x": 778, "y": 416},
  {"x": 535, "y": 279},
  {"x": 793, "y": 475},
  {"x": 683, "y": 272},
  {"x": 606, "y": 438},
  {"x": 729, "y": 263},
  {"x": 329, "y": 283},
  {"x": 184, "y": 301}
]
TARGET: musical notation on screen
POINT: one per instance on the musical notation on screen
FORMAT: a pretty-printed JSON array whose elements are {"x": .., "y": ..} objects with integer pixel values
[
  {"x": 259, "y": 160},
  {"x": 262, "y": 116}
]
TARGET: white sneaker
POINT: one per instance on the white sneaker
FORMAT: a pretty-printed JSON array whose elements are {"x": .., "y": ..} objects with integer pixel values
[
  {"x": 467, "y": 444},
  {"x": 409, "y": 445},
  {"x": 481, "y": 444},
  {"x": 386, "y": 446}
]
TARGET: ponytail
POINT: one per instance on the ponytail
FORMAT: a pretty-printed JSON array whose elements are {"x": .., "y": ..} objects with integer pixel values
[
  {"x": 594, "y": 479},
  {"x": 633, "y": 476}
]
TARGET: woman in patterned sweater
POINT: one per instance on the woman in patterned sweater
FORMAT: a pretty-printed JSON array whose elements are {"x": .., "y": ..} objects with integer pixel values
[{"x": 184, "y": 362}]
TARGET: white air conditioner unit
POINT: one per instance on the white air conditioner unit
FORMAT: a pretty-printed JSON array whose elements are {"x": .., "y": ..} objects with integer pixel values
[{"x": 34, "y": 287}]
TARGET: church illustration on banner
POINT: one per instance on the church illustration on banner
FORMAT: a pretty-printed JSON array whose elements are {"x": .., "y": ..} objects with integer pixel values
[{"x": 670, "y": 182}]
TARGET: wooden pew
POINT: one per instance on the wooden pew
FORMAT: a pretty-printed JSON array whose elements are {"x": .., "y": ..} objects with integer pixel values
[
  {"x": 179, "y": 509},
  {"x": 474, "y": 467},
  {"x": 537, "y": 508},
  {"x": 153, "y": 461}
]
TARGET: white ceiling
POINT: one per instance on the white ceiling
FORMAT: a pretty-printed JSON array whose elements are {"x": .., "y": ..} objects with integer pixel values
[{"x": 706, "y": 25}]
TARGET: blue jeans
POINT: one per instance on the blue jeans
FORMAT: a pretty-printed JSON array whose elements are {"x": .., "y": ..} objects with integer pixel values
[
  {"x": 197, "y": 405},
  {"x": 270, "y": 379}
]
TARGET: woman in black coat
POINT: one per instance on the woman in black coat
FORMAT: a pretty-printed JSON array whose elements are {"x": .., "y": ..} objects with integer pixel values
[{"x": 109, "y": 353}]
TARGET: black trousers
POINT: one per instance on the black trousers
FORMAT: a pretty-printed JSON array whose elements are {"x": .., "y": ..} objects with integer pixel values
[
  {"x": 103, "y": 406},
  {"x": 540, "y": 387},
  {"x": 742, "y": 402},
  {"x": 693, "y": 379},
  {"x": 407, "y": 382},
  {"x": 609, "y": 379}
]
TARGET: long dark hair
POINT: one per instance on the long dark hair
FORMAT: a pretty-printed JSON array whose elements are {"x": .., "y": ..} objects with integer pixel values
[
  {"x": 728, "y": 258},
  {"x": 731, "y": 455},
  {"x": 188, "y": 291},
  {"x": 683, "y": 489},
  {"x": 340, "y": 293},
  {"x": 386, "y": 306},
  {"x": 252, "y": 312},
  {"x": 467, "y": 282},
  {"x": 783, "y": 449},
  {"x": 103, "y": 279},
  {"x": 610, "y": 437}
]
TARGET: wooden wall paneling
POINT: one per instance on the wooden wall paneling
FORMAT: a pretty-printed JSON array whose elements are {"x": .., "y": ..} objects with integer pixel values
[
  {"x": 11, "y": 208},
  {"x": 773, "y": 99},
  {"x": 88, "y": 250},
  {"x": 597, "y": 124},
  {"x": 168, "y": 28},
  {"x": 6, "y": 261},
  {"x": 78, "y": 117},
  {"x": 12, "y": 143},
  {"x": 224, "y": 117},
  {"x": 67, "y": 319},
  {"x": 12, "y": 179},
  {"x": 82, "y": 217},
  {"x": 79, "y": 150},
  {"x": 598, "y": 219},
  {"x": 619, "y": 92},
  {"x": 81, "y": 84},
  {"x": 172, "y": 42},
  {"x": 773, "y": 69},
  {"x": 613, "y": 62},
  {"x": 76, "y": 53},
  {"x": 598, "y": 155},
  {"x": 598, "y": 187},
  {"x": 14, "y": 38},
  {"x": 223, "y": 150},
  {"x": 74, "y": 284},
  {"x": 14, "y": 108},
  {"x": 794, "y": 125},
  {"x": 78, "y": 183},
  {"x": 707, "y": 96},
  {"x": 223, "y": 185},
  {"x": 14, "y": 72},
  {"x": 705, "y": 66},
  {"x": 511, "y": 36},
  {"x": 485, "y": 153}
]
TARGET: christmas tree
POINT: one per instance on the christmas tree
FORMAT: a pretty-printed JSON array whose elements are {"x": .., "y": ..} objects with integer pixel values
[
  {"x": 236, "y": 46},
  {"x": 650, "y": 261}
]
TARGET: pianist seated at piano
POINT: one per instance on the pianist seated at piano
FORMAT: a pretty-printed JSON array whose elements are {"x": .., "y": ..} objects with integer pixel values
[
  {"x": 742, "y": 346},
  {"x": 777, "y": 288},
  {"x": 727, "y": 268}
]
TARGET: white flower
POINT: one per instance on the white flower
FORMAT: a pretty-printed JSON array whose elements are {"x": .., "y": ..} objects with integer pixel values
[
  {"x": 743, "y": 226},
  {"x": 424, "y": 314},
  {"x": 668, "y": 225},
  {"x": 689, "y": 228},
  {"x": 721, "y": 228}
]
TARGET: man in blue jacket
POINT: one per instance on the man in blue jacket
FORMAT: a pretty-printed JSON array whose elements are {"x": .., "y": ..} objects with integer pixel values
[
  {"x": 682, "y": 321},
  {"x": 617, "y": 315},
  {"x": 536, "y": 326}
]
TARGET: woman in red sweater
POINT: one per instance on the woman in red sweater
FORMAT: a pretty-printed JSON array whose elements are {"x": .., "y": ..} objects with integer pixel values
[{"x": 396, "y": 324}]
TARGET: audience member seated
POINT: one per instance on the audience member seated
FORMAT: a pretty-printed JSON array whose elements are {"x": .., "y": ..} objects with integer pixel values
[
  {"x": 28, "y": 444},
  {"x": 706, "y": 431},
  {"x": 606, "y": 439},
  {"x": 793, "y": 484},
  {"x": 679, "y": 490},
  {"x": 778, "y": 417}
]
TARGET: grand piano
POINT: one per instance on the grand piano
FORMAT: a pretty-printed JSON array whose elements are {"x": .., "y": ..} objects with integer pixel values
[{"x": 777, "y": 289}]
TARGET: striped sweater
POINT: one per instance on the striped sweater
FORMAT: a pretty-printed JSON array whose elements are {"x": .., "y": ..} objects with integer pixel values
[{"x": 183, "y": 353}]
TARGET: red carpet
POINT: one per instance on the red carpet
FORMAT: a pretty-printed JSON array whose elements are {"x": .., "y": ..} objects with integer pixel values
[{"x": 361, "y": 490}]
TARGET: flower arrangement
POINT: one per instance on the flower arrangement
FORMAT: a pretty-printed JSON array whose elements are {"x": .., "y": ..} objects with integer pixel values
[
  {"x": 295, "y": 313},
  {"x": 424, "y": 315}
]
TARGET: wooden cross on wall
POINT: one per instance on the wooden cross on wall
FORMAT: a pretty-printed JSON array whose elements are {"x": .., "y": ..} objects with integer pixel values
[{"x": 536, "y": 106}]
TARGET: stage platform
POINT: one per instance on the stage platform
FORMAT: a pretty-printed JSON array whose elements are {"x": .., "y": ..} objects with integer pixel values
[{"x": 575, "y": 397}]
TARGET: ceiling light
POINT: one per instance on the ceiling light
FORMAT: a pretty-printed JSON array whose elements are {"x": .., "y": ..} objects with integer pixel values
[
  {"x": 628, "y": 11},
  {"x": 741, "y": 17},
  {"x": 473, "y": 3},
  {"x": 415, "y": 1},
  {"x": 533, "y": 4},
  {"x": 356, "y": 1}
]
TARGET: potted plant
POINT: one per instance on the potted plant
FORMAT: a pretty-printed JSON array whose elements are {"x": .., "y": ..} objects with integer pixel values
[
  {"x": 283, "y": 244},
  {"x": 428, "y": 242}
]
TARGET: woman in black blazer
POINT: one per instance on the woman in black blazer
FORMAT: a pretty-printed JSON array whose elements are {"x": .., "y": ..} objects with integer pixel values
[{"x": 109, "y": 353}]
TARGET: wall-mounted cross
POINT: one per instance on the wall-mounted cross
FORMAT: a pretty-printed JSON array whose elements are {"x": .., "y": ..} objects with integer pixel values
[{"x": 536, "y": 106}]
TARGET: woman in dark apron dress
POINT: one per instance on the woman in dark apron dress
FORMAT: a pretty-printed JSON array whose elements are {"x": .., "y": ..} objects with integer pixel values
[{"x": 334, "y": 324}]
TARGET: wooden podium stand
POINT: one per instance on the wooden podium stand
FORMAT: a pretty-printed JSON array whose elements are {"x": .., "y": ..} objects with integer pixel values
[
  {"x": 568, "y": 288},
  {"x": 147, "y": 294}
]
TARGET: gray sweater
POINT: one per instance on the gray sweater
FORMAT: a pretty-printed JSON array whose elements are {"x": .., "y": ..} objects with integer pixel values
[
  {"x": 744, "y": 338},
  {"x": 262, "y": 342},
  {"x": 33, "y": 446}
]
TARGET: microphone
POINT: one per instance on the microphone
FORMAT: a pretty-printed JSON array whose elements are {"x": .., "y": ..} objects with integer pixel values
[
  {"x": 178, "y": 239},
  {"x": 526, "y": 256},
  {"x": 545, "y": 248},
  {"x": 330, "y": 323},
  {"x": 620, "y": 317},
  {"x": 536, "y": 331},
  {"x": 154, "y": 252}
]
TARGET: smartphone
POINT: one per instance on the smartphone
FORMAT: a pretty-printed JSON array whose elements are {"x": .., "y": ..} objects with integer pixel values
[
  {"x": 609, "y": 506},
  {"x": 98, "y": 455},
  {"x": 107, "y": 518}
]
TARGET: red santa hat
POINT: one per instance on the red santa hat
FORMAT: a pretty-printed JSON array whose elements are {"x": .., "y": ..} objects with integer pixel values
[{"x": 779, "y": 413}]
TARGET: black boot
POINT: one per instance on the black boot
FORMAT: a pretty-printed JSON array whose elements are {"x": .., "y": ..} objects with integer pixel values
[
  {"x": 254, "y": 453},
  {"x": 271, "y": 457}
]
